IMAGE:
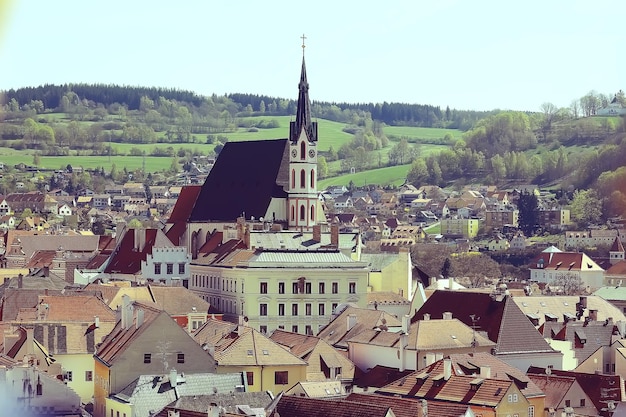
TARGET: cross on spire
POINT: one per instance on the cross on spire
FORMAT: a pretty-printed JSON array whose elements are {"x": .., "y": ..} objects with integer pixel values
[{"x": 303, "y": 45}]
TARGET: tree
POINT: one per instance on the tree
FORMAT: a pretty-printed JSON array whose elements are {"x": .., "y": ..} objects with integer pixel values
[
  {"x": 586, "y": 207},
  {"x": 135, "y": 224},
  {"x": 476, "y": 267},
  {"x": 528, "y": 213},
  {"x": 418, "y": 174},
  {"x": 549, "y": 112},
  {"x": 568, "y": 283},
  {"x": 399, "y": 153},
  {"x": 98, "y": 228},
  {"x": 446, "y": 268},
  {"x": 36, "y": 159},
  {"x": 27, "y": 212},
  {"x": 322, "y": 167}
]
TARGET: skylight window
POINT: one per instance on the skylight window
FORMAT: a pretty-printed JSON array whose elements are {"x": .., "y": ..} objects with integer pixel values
[
  {"x": 250, "y": 352},
  {"x": 266, "y": 352}
]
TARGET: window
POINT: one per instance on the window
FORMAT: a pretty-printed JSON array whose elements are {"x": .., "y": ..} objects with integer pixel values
[
  {"x": 263, "y": 309},
  {"x": 157, "y": 269},
  {"x": 250, "y": 378},
  {"x": 307, "y": 309},
  {"x": 302, "y": 178},
  {"x": 263, "y": 329},
  {"x": 307, "y": 288},
  {"x": 294, "y": 288},
  {"x": 281, "y": 377},
  {"x": 294, "y": 309},
  {"x": 302, "y": 150},
  {"x": 312, "y": 213},
  {"x": 68, "y": 376},
  {"x": 181, "y": 269},
  {"x": 302, "y": 212},
  {"x": 308, "y": 330},
  {"x": 147, "y": 358},
  {"x": 335, "y": 287},
  {"x": 88, "y": 375},
  {"x": 170, "y": 269},
  {"x": 322, "y": 288},
  {"x": 180, "y": 358},
  {"x": 294, "y": 329},
  {"x": 531, "y": 411},
  {"x": 281, "y": 309},
  {"x": 39, "y": 388},
  {"x": 352, "y": 288},
  {"x": 568, "y": 403},
  {"x": 321, "y": 309},
  {"x": 312, "y": 179},
  {"x": 582, "y": 402},
  {"x": 333, "y": 307},
  {"x": 293, "y": 179},
  {"x": 281, "y": 287},
  {"x": 263, "y": 289}
]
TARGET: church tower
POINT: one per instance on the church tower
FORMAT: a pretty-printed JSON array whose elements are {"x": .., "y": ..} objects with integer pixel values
[{"x": 302, "y": 190}]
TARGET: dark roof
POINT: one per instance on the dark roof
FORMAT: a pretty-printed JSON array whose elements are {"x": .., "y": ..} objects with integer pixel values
[
  {"x": 129, "y": 253},
  {"x": 379, "y": 376},
  {"x": 586, "y": 337},
  {"x": 617, "y": 245},
  {"x": 502, "y": 321},
  {"x": 313, "y": 407},
  {"x": 184, "y": 203},
  {"x": 601, "y": 388},
  {"x": 243, "y": 181}
]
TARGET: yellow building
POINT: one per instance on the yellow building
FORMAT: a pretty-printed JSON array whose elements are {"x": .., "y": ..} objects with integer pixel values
[
  {"x": 466, "y": 228},
  {"x": 236, "y": 348},
  {"x": 282, "y": 280},
  {"x": 391, "y": 272}
]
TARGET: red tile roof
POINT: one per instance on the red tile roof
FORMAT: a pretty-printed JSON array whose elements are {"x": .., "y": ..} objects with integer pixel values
[
  {"x": 134, "y": 248},
  {"x": 312, "y": 407}
]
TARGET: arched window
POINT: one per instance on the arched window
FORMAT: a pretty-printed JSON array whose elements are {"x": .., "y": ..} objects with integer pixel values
[
  {"x": 293, "y": 213},
  {"x": 312, "y": 213},
  {"x": 312, "y": 178},
  {"x": 302, "y": 213},
  {"x": 302, "y": 150},
  {"x": 293, "y": 178},
  {"x": 302, "y": 178}
]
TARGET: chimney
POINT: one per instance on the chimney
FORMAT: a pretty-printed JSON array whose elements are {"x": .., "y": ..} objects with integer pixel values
[
  {"x": 127, "y": 312},
  {"x": 20, "y": 281},
  {"x": 317, "y": 232},
  {"x": 46, "y": 271},
  {"x": 447, "y": 368},
  {"x": 246, "y": 237},
  {"x": 426, "y": 316},
  {"x": 406, "y": 321},
  {"x": 140, "y": 315},
  {"x": 351, "y": 321},
  {"x": 583, "y": 301},
  {"x": 450, "y": 283},
  {"x": 173, "y": 377},
  {"x": 447, "y": 315},
  {"x": 30, "y": 340},
  {"x": 433, "y": 281},
  {"x": 485, "y": 371},
  {"x": 96, "y": 321},
  {"x": 334, "y": 235},
  {"x": 593, "y": 315},
  {"x": 404, "y": 341}
]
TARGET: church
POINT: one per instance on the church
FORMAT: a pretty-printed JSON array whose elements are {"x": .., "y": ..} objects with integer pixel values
[{"x": 271, "y": 183}]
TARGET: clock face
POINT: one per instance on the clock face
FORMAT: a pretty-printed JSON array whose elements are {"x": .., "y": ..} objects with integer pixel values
[
  {"x": 294, "y": 153},
  {"x": 312, "y": 153}
]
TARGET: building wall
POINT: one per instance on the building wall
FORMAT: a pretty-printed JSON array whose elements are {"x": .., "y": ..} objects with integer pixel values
[
  {"x": 395, "y": 277},
  {"x": 79, "y": 365},
  {"x": 237, "y": 291},
  {"x": 514, "y": 403},
  {"x": 468, "y": 228},
  {"x": 264, "y": 376},
  {"x": 175, "y": 256}
]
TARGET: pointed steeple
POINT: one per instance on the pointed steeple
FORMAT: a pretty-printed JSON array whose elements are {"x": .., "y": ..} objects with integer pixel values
[{"x": 303, "y": 111}]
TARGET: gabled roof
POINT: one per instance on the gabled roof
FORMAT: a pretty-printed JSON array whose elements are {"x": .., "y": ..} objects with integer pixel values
[
  {"x": 182, "y": 211},
  {"x": 72, "y": 307},
  {"x": 242, "y": 346},
  {"x": 120, "y": 339},
  {"x": 244, "y": 179},
  {"x": 601, "y": 388},
  {"x": 134, "y": 248},
  {"x": 231, "y": 402},
  {"x": 429, "y": 383},
  {"x": 565, "y": 261},
  {"x": 337, "y": 334},
  {"x": 585, "y": 338},
  {"x": 617, "y": 245},
  {"x": 314, "y": 351},
  {"x": 555, "y": 387},
  {"x": 289, "y": 406},
  {"x": 151, "y": 393},
  {"x": 178, "y": 300},
  {"x": 379, "y": 376},
  {"x": 560, "y": 305},
  {"x": 408, "y": 407},
  {"x": 470, "y": 364},
  {"x": 502, "y": 321}
]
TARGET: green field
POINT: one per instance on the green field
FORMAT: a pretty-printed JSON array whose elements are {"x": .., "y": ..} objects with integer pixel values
[
  {"x": 422, "y": 133},
  {"x": 395, "y": 175}
]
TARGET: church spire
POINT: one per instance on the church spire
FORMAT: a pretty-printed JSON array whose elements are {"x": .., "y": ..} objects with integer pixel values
[{"x": 303, "y": 111}]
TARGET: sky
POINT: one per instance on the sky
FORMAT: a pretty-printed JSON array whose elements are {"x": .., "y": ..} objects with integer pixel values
[{"x": 468, "y": 55}]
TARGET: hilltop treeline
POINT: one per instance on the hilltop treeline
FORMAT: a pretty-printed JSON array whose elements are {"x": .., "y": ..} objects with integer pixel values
[
  {"x": 106, "y": 94},
  {"x": 393, "y": 114}
]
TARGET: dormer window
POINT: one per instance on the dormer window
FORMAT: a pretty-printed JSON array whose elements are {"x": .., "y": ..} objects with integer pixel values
[{"x": 302, "y": 150}]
